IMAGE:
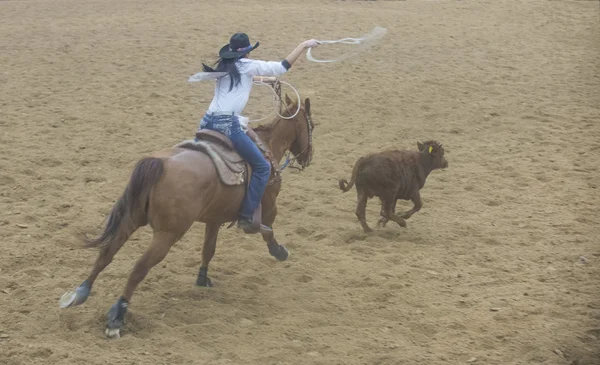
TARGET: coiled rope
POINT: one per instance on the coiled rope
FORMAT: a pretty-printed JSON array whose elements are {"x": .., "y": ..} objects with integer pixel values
[{"x": 276, "y": 89}]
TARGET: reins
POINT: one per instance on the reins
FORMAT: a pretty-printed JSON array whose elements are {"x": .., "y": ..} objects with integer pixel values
[{"x": 290, "y": 160}]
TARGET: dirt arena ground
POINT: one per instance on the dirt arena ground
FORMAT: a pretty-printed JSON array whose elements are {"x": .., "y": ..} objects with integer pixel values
[{"x": 502, "y": 265}]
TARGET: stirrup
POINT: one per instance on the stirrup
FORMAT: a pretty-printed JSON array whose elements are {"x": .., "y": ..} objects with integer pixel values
[
  {"x": 255, "y": 225},
  {"x": 253, "y": 229}
]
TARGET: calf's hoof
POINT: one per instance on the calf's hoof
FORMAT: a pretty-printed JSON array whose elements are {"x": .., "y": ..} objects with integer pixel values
[
  {"x": 382, "y": 222},
  {"x": 405, "y": 215},
  {"x": 401, "y": 222}
]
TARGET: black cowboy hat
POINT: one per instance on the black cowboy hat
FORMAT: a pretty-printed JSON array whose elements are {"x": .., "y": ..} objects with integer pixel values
[{"x": 239, "y": 45}]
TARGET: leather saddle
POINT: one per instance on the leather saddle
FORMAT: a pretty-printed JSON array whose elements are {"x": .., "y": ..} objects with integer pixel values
[{"x": 231, "y": 167}]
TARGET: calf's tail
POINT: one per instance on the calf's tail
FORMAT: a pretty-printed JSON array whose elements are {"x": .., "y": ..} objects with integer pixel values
[{"x": 344, "y": 184}]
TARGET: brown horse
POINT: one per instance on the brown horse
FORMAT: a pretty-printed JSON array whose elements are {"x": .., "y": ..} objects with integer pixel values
[{"x": 175, "y": 187}]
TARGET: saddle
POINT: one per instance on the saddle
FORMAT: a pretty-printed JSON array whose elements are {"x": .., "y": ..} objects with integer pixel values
[{"x": 231, "y": 167}]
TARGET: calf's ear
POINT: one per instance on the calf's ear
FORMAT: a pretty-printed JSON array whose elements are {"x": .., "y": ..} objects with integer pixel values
[{"x": 420, "y": 146}]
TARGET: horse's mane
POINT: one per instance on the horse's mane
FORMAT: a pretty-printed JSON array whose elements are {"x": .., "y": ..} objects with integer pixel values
[{"x": 266, "y": 128}]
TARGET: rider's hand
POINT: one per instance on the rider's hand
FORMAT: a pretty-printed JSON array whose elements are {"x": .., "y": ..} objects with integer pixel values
[
  {"x": 300, "y": 49},
  {"x": 312, "y": 43}
]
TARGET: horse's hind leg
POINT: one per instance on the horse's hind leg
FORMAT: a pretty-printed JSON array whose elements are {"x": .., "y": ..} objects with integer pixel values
[
  {"x": 105, "y": 257},
  {"x": 208, "y": 251},
  {"x": 161, "y": 244}
]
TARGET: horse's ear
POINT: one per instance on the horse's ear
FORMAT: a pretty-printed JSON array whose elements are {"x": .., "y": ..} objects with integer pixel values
[
  {"x": 288, "y": 101},
  {"x": 307, "y": 105}
]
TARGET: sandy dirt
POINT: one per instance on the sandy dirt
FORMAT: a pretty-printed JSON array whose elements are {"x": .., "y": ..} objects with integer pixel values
[{"x": 502, "y": 265}]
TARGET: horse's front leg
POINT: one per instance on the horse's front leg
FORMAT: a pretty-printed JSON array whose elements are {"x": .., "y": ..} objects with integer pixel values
[{"x": 268, "y": 217}]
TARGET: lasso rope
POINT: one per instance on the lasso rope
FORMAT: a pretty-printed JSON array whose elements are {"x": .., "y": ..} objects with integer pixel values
[
  {"x": 276, "y": 88},
  {"x": 365, "y": 42}
]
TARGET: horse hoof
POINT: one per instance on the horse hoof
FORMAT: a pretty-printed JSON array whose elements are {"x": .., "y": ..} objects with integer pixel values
[
  {"x": 285, "y": 254},
  {"x": 205, "y": 282},
  {"x": 115, "y": 318},
  {"x": 75, "y": 297},
  {"x": 281, "y": 253},
  {"x": 113, "y": 333}
]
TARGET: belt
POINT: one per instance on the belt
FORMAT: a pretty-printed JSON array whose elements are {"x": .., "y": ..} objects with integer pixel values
[{"x": 223, "y": 113}]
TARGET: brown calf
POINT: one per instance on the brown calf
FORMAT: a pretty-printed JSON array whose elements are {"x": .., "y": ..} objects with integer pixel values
[{"x": 393, "y": 175}]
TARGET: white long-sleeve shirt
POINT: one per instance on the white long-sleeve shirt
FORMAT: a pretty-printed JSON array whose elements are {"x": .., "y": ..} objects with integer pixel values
[{"x": 226, "y": 101}]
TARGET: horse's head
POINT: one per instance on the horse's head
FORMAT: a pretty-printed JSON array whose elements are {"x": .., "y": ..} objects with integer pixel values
[{"x": 301, "y": 147}]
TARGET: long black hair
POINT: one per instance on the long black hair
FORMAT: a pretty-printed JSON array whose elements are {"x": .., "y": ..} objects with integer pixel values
[{"x": 226, "y": 65}]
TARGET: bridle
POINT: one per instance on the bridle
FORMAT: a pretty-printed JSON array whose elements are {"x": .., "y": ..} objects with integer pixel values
[{"x": 290, "y": 161}]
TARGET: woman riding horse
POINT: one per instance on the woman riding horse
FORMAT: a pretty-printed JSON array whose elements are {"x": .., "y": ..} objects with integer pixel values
[{"x": 224, "y": 113}]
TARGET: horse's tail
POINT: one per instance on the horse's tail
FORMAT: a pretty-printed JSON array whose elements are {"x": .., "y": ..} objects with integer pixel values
[
  {"x": 344, "y": 184},
  {"x": 131, "y": 211}
]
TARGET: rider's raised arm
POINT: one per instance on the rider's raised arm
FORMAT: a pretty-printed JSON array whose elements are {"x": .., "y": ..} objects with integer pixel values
[
  {"x": 274, "y": 68},
  {"x": 292, "y": 57},
  {"x": 265, "y": 68}
]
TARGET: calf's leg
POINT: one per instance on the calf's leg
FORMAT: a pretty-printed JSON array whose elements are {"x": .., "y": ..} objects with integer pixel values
[
  {"x": 361, "y": 207},
  {"x": 388, "y": 207},
  {"x": 416, "y": 199},
  {"x": 383, "y": 220}
]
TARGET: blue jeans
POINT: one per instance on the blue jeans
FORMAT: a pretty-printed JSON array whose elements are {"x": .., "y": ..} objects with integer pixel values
[{"x": 261, "y": 169}]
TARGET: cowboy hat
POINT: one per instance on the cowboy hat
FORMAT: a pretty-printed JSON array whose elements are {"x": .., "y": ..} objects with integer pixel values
[{"x": 239, "y": 45}]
